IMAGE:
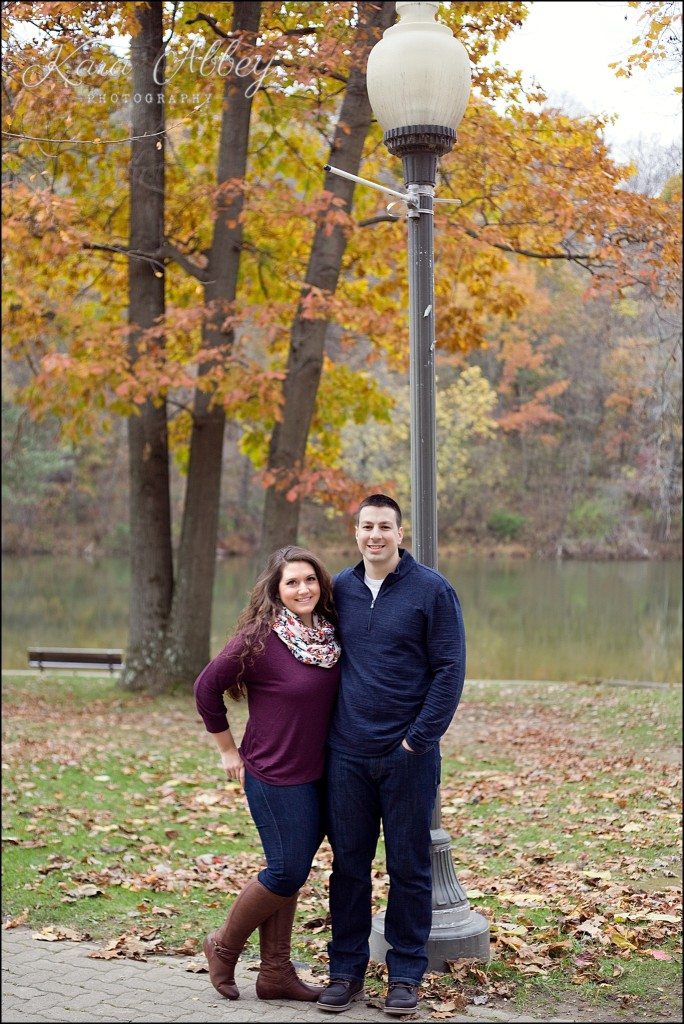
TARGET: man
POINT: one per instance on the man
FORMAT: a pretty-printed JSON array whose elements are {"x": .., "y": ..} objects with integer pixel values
[{"x": 403, "y": 666}]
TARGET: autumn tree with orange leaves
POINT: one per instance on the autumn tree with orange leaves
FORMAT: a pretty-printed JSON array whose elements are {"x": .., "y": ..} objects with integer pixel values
[{"x": 268, "y": 276}]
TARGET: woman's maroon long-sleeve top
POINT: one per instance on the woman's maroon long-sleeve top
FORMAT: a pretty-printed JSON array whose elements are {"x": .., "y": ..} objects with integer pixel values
[{"x": 290, "y": 706}]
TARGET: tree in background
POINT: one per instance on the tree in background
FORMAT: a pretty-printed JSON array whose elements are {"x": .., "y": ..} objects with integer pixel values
[
  {"x": 659, "y": 38},
  {"x": 151, "y": 555},
  {"x": 188, "y": 627},
  {"x": 253, "y": 296},
  {"x": 288, "y": 442},
  {"x": 166, "y": 646}
]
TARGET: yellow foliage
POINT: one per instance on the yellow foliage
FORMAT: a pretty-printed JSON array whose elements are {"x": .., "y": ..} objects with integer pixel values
[{"x": 531, "y": 184}]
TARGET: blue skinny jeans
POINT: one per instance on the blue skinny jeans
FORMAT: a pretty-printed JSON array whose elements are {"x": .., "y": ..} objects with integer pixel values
[{"x": 290, "y": 824}]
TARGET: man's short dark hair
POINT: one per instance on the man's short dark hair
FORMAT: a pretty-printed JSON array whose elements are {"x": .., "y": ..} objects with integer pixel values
[{"x": 379, "y": 501}]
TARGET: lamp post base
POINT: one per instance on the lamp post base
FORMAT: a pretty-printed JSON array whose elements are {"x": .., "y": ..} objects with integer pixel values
[{"x": 456, "y": 934}]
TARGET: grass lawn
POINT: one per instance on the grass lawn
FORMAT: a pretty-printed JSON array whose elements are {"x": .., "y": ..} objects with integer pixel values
[{"x": 562, "y": 801}]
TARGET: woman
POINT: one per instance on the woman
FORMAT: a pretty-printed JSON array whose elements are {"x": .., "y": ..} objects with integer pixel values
[{"x": 284, "y": 657}]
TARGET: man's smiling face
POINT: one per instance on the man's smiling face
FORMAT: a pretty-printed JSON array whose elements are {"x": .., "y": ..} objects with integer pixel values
[{"x": 378, "y": 538}]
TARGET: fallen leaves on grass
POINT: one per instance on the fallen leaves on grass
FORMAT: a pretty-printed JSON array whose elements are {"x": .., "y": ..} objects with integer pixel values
[
  {"x": 82, "y": 892},
  {"x": 565, "y": 838},
  {"x": 468, "y": 982}
]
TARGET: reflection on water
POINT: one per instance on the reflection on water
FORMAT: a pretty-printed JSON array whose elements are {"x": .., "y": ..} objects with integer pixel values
[{"x": 524, "y": 619}]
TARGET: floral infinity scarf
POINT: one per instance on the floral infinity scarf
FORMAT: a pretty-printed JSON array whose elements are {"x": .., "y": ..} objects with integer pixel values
[{"x": 315, "y": 645}]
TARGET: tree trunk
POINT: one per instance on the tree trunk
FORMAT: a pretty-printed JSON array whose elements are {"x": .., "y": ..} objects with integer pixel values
[
  {"x": 189, "y": 633},
  {"x": 305, "y": 359},
  {"x": 150, "y": 514}
]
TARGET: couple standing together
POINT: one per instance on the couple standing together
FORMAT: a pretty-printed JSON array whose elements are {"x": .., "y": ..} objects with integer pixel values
[{"x": 350, "y": 686}]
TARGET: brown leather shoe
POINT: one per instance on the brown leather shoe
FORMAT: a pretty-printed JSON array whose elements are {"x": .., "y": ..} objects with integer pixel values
[
  {"x": 223, "y": 947},
  {"x": 277, "y": 978}
]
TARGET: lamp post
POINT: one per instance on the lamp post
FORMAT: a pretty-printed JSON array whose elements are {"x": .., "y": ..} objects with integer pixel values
[{"x": 418, "y": 82}]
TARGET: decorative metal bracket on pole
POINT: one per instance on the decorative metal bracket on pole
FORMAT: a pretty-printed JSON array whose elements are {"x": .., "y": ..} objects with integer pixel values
[{"x": 457, "y": 931}]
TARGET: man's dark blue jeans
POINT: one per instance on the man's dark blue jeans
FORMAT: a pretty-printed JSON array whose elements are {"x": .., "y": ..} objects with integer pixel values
[{"x": 398, "y": 789}]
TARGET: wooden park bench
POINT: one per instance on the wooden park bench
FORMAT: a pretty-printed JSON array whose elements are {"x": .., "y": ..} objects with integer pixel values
[{"x": 75, "y": 657}]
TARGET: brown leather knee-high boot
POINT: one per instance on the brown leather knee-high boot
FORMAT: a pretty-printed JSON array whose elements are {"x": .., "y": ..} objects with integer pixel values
[
  {"x": 277, "y": 978},
  {"x": 223, "y": 947}
]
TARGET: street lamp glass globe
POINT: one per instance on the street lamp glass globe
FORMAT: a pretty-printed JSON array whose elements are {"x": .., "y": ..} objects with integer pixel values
[{"x": 418, "y": 73}]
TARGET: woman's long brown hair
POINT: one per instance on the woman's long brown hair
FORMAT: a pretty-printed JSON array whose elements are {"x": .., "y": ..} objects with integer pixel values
[{"x": 261, "y": 611}]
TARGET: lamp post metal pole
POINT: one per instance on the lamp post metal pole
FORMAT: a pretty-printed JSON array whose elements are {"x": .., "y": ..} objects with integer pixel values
[
  {"x": 422, "y": 375},
  {"x": 420, "y": 147},
  {"x": 457, "y": 931}
]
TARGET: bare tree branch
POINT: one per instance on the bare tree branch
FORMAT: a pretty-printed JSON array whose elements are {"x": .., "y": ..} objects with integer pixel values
[
  {"x": 505, "y": 247},
  {"x": 168, "y": 252},
  {"x": 213, "y": 25},
  {"x": 122, "y": 250}
]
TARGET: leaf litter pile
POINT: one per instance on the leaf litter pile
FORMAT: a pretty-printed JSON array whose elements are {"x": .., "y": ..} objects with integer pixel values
[{"x": 562, "y": 801}]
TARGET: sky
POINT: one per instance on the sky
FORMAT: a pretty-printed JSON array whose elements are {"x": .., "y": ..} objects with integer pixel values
[{"x": 567, "y": 48}]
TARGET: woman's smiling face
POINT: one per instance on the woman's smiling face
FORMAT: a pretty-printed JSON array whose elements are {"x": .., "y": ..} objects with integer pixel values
[{"x": 299, "y": 590}]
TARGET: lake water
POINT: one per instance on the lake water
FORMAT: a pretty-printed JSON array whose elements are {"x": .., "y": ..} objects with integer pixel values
[{"x": 524, "y": 619}]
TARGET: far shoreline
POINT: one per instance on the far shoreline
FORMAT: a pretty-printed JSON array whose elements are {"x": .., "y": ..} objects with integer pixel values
[{"x": 504, "y": 552}]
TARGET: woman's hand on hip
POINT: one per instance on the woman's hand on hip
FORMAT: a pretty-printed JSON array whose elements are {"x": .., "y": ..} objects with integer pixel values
[{"x": 233, "y": 766}]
